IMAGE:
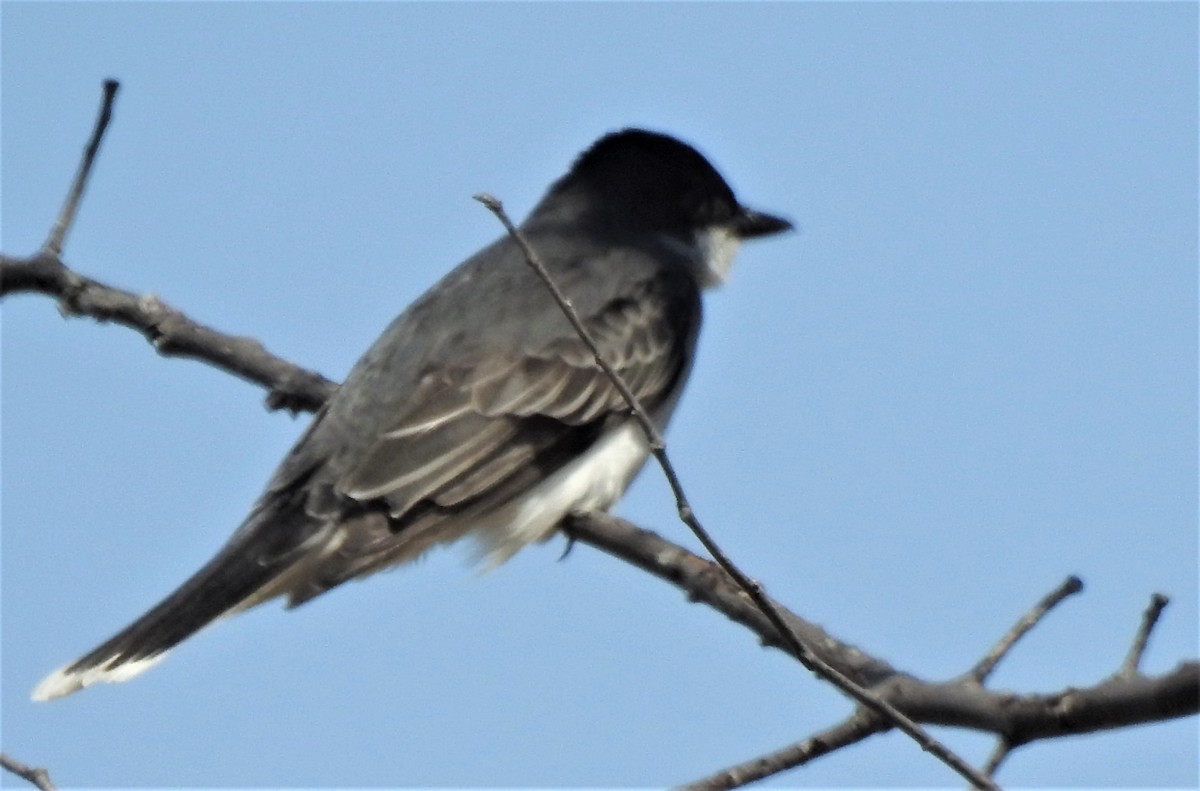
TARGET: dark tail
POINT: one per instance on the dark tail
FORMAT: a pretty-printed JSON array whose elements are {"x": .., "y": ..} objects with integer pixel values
[{"x": 240, "y": 576}]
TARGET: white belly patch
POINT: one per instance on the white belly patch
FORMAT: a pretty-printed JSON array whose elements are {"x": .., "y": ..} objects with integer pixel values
[{"x": 593, "y": 482}]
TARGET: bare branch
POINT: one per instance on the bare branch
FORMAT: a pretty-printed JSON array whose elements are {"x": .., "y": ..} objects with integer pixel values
[
  {"x": 1019, "y": 719},
  {"x": 1002, "y": 750},
  {"x": 703, "y": 582},
  {"x": 688, "y": 516},
  {"x": 169, "y": 331},
  {"x": 58, "y": 233},
  {"x": 1071, "y": 585},
  {"x": 35, "y": 775},
  {"x": 850, "y": 731},
  {"x": 1129, "y": 667},
  {"x": 962, "y": 702},
  {"x": 1115, "y": 703}
]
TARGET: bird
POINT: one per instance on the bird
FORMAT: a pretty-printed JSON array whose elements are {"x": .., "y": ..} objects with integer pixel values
[{"x": 480, "y": 411}]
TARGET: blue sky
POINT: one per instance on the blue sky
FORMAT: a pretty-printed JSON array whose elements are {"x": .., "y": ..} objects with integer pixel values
[{"x": 972, "y": 372}]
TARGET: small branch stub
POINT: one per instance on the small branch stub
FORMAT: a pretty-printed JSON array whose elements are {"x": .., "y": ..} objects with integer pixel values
[
  {"x": 1070, "y": 586},
  {"x": 1130, "y": 667},
  {"x": 53, "y": 245}
]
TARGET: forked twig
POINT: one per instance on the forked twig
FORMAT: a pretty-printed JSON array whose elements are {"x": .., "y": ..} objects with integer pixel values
[
  {"x": 170, "y": 332},
  {"x": 985, "y": 666}
]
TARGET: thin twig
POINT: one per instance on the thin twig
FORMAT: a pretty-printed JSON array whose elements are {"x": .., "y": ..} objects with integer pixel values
[
  {"x": 170, "y": 332},
  {"x": 36, "y": 775},
  {"x": 54, "y": 242},
  {"x": 1070, "y": 586},
  {"x": 531, "y": 257},
  {"x": 1002, "y": 750},
  {"x": 1133, "y": 661},
  {"x": 688, "y": 517},
  {"x": 849, "y": 731}
]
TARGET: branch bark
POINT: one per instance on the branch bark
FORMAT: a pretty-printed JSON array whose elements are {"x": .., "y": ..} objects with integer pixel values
[
  {"x": 170, "y": 332},
  {"x": 963, "y": 702},
  {"x": 39, "y": 777}
]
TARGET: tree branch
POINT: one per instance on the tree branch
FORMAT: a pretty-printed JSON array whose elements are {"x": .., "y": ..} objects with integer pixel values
[
  {"x": 66, "y": 217},
  {"x": 1071, "y": 585},
  {"x": 1110, "y": 704},
  {"x": 35, "y": 775},
  {"x": 851, "y": 730},
  {"x": 170, "y": 332},
  {"x": 961, "y": 702},
  {"x": 1129, "y": 667}
]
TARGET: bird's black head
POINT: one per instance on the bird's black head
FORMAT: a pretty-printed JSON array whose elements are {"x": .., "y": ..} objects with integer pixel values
[{"x": 645, "y": 181}]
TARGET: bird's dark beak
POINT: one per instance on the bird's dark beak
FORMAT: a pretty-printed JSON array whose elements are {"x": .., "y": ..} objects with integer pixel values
[{"x": 750, "y": 224}]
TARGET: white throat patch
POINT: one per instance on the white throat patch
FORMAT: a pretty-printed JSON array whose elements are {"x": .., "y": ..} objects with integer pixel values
[
  {"x": 717, "y": 247},
  {"x": 710, "y": 251}
]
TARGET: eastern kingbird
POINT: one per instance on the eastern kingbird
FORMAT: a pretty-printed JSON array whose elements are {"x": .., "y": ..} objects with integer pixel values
[{"x": 479, "y": 410}]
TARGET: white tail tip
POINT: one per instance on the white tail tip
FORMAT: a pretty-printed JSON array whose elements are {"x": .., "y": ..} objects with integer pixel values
[{"x": 64, "y": 681}]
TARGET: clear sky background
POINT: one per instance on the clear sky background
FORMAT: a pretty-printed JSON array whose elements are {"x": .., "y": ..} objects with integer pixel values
[{"x": 971, "y": 373}]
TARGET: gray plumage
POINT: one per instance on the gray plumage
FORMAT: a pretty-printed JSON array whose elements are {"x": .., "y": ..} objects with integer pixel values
[{"x": 479, "y": 409}]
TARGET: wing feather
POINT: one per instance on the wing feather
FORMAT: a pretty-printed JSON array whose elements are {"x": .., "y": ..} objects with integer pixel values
[
  {"x": 407, "y": 468},
  {"x": 473, "y": 436},
  {"x": 447, "y": 446}
]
